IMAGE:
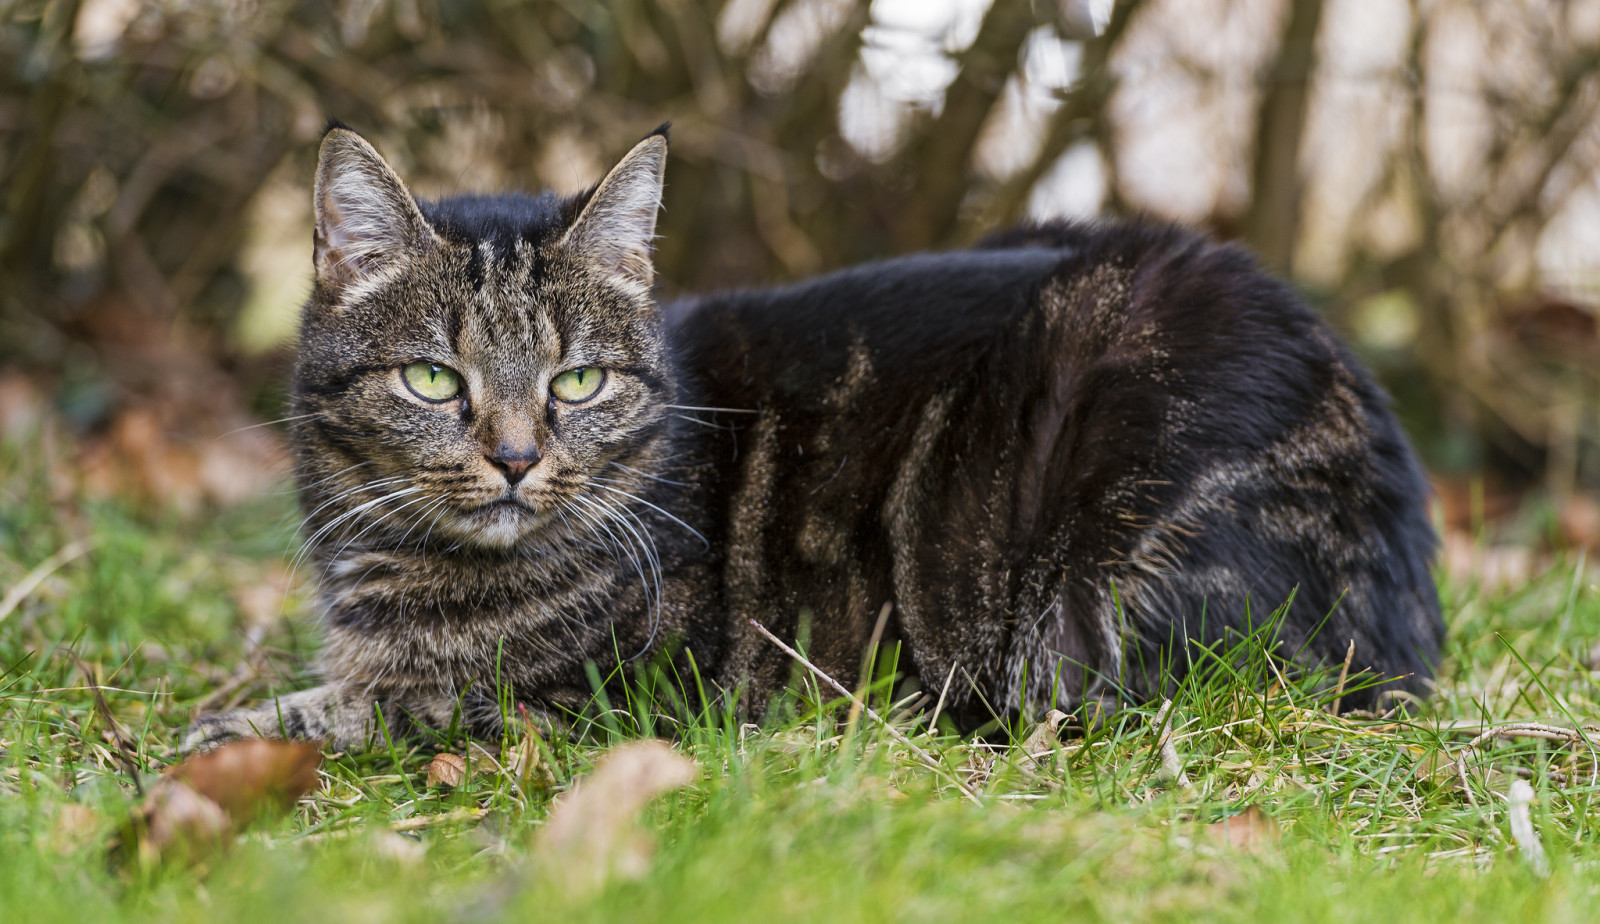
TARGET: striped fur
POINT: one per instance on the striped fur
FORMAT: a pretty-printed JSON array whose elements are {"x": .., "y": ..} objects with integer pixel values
[{"x": 1060, "y": 458}]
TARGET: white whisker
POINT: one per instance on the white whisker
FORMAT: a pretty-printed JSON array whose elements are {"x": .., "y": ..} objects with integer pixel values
[
  {"x": 659, "y": 510},
  {"x": 725, "y": 410}
]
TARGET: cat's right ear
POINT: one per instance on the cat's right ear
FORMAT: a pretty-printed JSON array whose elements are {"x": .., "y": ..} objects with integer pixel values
[{"x": 367, "y": 222}]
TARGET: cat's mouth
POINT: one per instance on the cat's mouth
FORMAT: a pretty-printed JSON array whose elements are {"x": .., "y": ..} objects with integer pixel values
[
  {"x": 498, "y": 523},
  {"x": 504, "y": 505}
]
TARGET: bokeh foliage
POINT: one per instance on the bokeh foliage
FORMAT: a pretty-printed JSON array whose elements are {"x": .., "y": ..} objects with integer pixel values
[{"x": 155, "y": 159}]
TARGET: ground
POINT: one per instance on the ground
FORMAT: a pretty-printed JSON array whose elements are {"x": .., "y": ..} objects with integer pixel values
[{"x": 1264, "y": 807}]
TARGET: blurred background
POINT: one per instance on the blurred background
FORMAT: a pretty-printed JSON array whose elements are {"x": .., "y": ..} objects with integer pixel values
[{"x": 1424, "y": 171}]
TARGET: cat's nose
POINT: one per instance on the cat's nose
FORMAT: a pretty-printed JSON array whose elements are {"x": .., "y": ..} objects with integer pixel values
[{"x": 514, "y": 461}]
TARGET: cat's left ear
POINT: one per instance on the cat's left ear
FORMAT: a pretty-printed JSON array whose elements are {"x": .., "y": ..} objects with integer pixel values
[{"x": 616, "y": 229}]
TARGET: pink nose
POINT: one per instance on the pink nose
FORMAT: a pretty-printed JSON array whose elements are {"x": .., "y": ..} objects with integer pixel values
[{"x": 514, "y": 462}]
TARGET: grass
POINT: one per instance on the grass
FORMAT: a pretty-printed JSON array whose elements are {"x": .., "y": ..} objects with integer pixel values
[{"x": 816, "y": 815}]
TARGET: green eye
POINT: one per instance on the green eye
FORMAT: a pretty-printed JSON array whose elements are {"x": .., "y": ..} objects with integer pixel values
[
  {"x": 431, "y": 381},
  {"x": 578, "y": 385}
]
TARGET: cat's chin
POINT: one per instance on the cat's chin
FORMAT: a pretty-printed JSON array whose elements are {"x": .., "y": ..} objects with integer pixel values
[{"x": 496, "y": 526}]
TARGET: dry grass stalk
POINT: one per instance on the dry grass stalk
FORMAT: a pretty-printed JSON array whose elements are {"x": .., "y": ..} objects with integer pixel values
[
  {"x": 1171, "y": 765},
  {"x": 922, "y": 755},
  {"x": 871, "y": 659},
  {"x": 1344, "y": 675},
  {"x": 31, "y": 581}
]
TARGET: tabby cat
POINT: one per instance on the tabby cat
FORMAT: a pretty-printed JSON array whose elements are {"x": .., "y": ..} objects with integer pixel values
[{"x": 1060, "y": 459}]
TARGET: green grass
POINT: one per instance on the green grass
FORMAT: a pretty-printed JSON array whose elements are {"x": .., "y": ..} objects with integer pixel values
[{"x": 813, "y": 816}]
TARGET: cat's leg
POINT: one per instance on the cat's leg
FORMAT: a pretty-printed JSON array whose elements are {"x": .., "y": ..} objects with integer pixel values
[{"x": 344, "y": 714}]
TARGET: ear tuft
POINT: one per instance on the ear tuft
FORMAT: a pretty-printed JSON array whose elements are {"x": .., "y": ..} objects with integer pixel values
[
  {"x": 616, "y": 229},
  {"x": 366, "y": 219}
]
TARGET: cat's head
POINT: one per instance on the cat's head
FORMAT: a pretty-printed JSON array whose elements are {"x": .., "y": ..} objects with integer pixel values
[{"x": 480, "y": 368}]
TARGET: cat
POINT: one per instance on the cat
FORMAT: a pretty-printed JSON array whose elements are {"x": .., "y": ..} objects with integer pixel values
[{"x": 1057, "y": 461}]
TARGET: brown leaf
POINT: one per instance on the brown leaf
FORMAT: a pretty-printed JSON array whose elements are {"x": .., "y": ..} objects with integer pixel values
[
  {"x": 180, "y": 455},
  {"x": 527, "y": 762},
  {"x": 1248, "y": 830},
  {"x": 249, "y": 777},
  {"x": 446, "y": 769},
  {"x": 591, "y": 833},
  {"x": 1438, "y": 768},
  {"x": 449, "y": 769},
  {"x": 197, "y": 805},
  {"x": 1046, "y": 736},
  {"x": 481, "y": 761},
  {"x": 174, "y": 823}
]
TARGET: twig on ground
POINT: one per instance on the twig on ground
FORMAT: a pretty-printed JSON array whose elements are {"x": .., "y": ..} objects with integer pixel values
[
  {"x": 1533, "y": 730},
  {"x": 1466, "y": 782},
  {"x": 125, "y": 749},
  {"x": 822, "y": 675}
]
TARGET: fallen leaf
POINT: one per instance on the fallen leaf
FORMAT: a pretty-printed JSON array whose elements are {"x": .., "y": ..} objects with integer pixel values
[
  {"x": 446, "y": 769},
  {"x": 196, "y": 806},
  {"x": 1250, "y": 829},
  {"x": 1438, "y": 768},
  {"x": 452, "y": 769},
  {"x": 174, "y": 823},
  {"x": 591, "y": 834},
  {"x": 181, "y": 456},
  {"x": 481, "y": 761},
  {"x": 527, "y": 762},
  {"x": 254, "y": 775},
  {"x": 1046, "y": 736}
]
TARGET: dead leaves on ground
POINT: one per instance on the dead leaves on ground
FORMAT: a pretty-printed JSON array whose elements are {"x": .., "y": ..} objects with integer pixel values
[
  {"x": 446, "y": 769},
  {"x": 592, "y": 834},
  {"x": 1249, "y": 830},
  {"x": 526, "y": 763},
  {"x": 195, "y": 808}
]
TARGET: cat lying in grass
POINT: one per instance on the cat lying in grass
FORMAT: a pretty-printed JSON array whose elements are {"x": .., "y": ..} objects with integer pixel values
[{"x": 1062, "y": 459}]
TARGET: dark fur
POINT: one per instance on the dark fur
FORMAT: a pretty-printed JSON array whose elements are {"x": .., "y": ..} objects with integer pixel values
[{"x": 1002, "y": 443}]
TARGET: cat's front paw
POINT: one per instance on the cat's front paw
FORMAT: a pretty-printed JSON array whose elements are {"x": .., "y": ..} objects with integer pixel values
[{"x": 210, "y": 731}]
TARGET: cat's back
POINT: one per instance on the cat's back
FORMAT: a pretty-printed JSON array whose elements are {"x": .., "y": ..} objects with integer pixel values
[
  {"x": 915, "y": 314},
  {"x": 991, "y": 439},
  {"x": 1124, "y": 304}
]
